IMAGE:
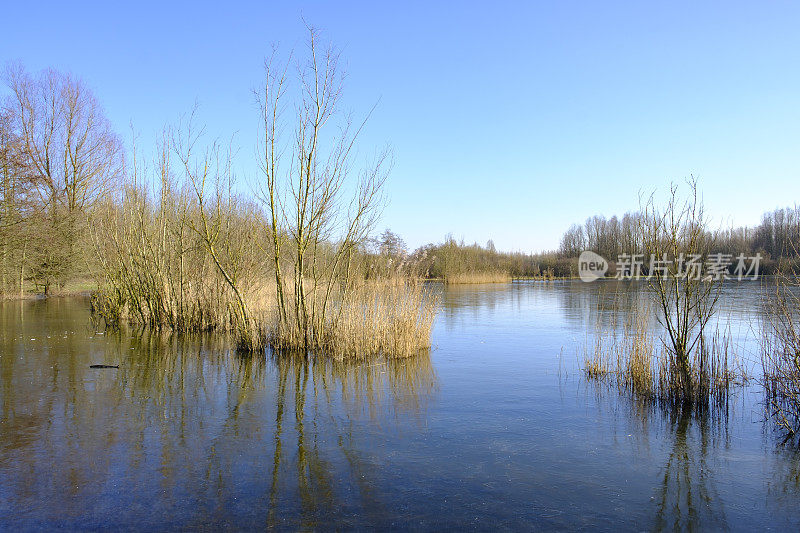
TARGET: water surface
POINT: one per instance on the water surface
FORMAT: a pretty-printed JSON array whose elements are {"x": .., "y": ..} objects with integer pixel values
[{"x": 495, "y": 428}]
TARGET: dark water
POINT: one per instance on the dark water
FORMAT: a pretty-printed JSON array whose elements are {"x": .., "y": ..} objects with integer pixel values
[{"x": 494, "y": 429}]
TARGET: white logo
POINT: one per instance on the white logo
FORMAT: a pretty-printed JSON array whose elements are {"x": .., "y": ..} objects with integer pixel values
[{"x": 591, "y": 266}]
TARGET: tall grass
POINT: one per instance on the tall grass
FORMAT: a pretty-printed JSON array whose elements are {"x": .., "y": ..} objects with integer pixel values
[
  {"x": 625, "y": 355},
  {"x": 635, "y": 360},
  {"x": 157, "y": 272},
  {"x": 780, "y": 355},
  {"x": 382, "y": 317},
  {"x": 638, "y": 362},
  {"x": 467, "y": 278},
  {"x": 391, "y": 317}
]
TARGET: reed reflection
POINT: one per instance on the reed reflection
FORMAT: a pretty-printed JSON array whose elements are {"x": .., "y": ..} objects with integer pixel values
[
  {"x": 686, "y": 495},
  {"x": 184, "y": 419},
  {"x": 321, "y": 401},
  {"x": 688, "y": 498}
]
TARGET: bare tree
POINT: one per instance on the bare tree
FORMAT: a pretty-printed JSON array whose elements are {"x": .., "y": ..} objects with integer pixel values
[
  {"x": 675, "y": 239},
  {"x": 573, "y": 242},
  {"x": 15, "y": 205},
  {"x": 318, "y": 213},
  {"x": 392, "y": 245},
  {"x": 66, "y": 137},
  {"x": 70, "y": 153},
  {"x": 223, "y": 223}
]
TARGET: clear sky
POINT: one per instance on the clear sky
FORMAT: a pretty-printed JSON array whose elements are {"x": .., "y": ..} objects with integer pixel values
[{"x": 508, "y": 121}]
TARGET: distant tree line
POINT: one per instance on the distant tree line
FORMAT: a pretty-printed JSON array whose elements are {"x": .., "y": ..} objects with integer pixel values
[
  {"x": 453, "y": 259},
  {"x": 776, "y": 238}
]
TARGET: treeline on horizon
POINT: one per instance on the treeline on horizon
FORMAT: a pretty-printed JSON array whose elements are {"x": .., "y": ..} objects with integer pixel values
[{"x": 775, "y": 239}]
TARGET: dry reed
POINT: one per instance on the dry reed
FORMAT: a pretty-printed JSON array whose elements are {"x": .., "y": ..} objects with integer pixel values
[
  {"x": 478, "y": 277},
  {"x": 157, "y": 273},
  {"x": 644, "y": 366},
  {"x": 780, "y": 356},
  {"x": 390, "y": 317}
]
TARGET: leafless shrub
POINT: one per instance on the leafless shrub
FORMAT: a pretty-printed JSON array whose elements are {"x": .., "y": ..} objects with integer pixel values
[
  {"x": 780, "y": 355},
  {"x": 685, "y": 300},
  {"x": 285, "y": 270}
]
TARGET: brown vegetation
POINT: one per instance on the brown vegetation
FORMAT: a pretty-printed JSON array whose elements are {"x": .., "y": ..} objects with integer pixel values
[
  {"x": 691, "y": 367},
  {"x": 181, "y": 248},
  {"x": 780, "y": 355},
  {"x": 466, "y": 278},
  {"x": 638, "y": 363},
  {"x": 457, "y": 262}
]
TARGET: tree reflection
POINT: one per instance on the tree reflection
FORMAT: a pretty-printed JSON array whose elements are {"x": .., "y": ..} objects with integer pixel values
[
  {"x": 688, "y": 498},
  {"x": 328, "y": 398},
  {"x": 783, "y": 489},
  {"x": 185, "y": 428},
  {"x": 695, "y": 443}
]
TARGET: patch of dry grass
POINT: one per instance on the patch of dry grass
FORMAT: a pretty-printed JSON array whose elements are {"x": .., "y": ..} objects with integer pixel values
[
  {"x": 780, "y": 356},
  {"x": 385, "y": 317},
  {"x": 639, "y": 363},
  {"x": 381, "y": 317},
  {"x": 478, "y": 277}
]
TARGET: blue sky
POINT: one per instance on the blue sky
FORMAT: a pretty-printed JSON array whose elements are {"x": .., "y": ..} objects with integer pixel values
[{"x": 507, "y": 121}]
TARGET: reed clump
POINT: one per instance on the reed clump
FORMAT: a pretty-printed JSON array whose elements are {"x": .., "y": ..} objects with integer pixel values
[
  {"x": 625, "y": 356},
  {"x": 466, "y": 278},
  {"x": 281, "y": 267},
  {"x": 780, "y": 356},
  {"x": 635, "y": 361},
  {"x": 158, "y": 275},
  {"x": 690, "y": 366},
  {"x": 715, "y": 368},
  {"x": 597, "y": 362},
  {"x": 639, "y": 363},
  {"x": 389, "y": 317},
  {"x": 382, "y": 317}
]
